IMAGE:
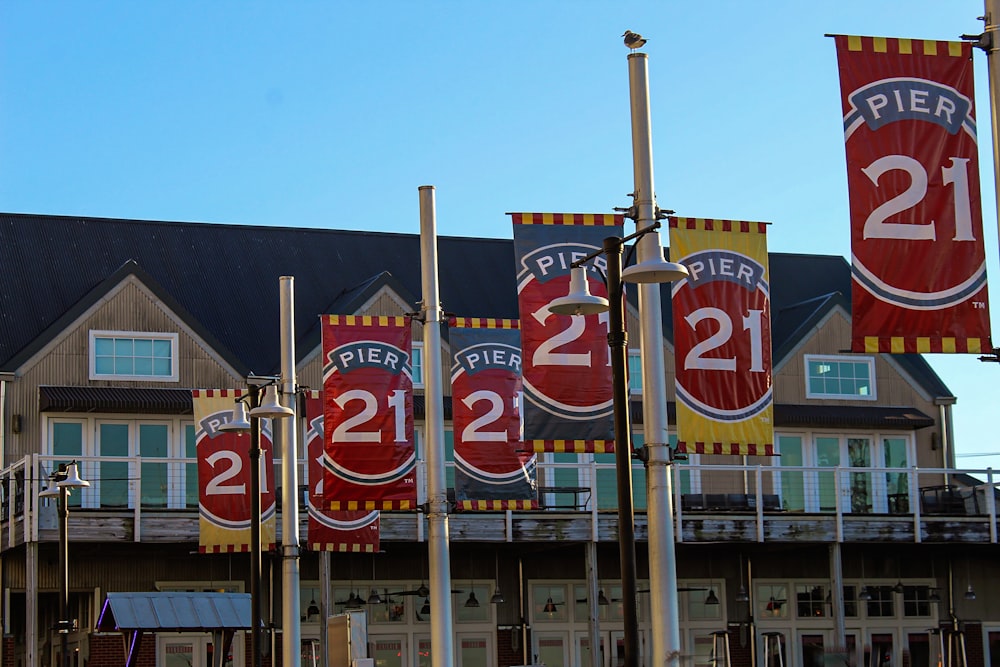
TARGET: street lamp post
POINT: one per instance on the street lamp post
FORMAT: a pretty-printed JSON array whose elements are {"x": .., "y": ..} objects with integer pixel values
[
  {"x": 60, "y": 483},
  {"x": 581, "y": 302},
  {"x": 239, "y": 423}
]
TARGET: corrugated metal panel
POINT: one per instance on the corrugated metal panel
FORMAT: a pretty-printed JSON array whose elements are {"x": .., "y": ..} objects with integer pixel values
[
  {"x": 115, "y": 399},
  {"x": 175, "y": 611}
]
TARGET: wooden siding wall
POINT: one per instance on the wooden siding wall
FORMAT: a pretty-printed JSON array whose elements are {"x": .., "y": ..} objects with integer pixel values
[
  {"x": 66, "y": 361},
  {"x": 891, "y": 389}
]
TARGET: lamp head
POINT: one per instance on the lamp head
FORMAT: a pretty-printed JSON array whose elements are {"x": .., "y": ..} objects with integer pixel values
[
  {"x": 497, "y": 597},
  {"x": 73, "y": 479},
  {"x": 711, "y": 598},
  {"x": 472, "y": 602},
  {"x": 270, "y": 407},
  {"x": 579, "y": 301},
  {"x": 239, "y": 422},
  {"x": 656, "y": 270},
  {"x": 51, "y": 491}
]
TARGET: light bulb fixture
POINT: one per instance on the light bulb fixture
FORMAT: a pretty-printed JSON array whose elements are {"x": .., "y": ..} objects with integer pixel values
[
  {"x": 579, "y": 301},
  {"x": 969, "y": 593},
  {"x": 471, "y": 602},
  {"x": 864, "y": 595},
  {"x": 423, "y": 591},
  {"x": 51, "y": 491},
  {"x": 72, "y": 480},
  {"x": 550, "y": 606},
  {"x": 426, "y": 609},
  {"x": 741, "y": 595},
  {"x": 312, "y": 609},
  {"x": 711, "y": 598},
  {"x": 374, "y": 597},
  {"x": 270, "y": 407},
  {"x": 934, "y": 596},
  {"x": 497, "y": 597},
  {"x": 602, "y": 599},
  {"x": 898, "y": 588},
  {"x": 239, "y": 422}
]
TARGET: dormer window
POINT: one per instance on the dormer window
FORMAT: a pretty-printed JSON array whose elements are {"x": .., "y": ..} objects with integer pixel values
[
  {"x": 132, "y": 355},
  {"x": 842, "y": 377}
]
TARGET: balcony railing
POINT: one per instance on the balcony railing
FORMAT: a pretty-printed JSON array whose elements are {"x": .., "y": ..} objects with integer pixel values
[{"x": 138, "y": 485}]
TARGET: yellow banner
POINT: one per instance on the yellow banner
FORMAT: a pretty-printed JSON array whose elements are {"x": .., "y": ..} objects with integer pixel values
[
  {"x": 722, "y": 337},
  {"x": 224, "y": 512}
]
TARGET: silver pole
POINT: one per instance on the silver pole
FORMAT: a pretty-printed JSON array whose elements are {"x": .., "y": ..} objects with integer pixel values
[
  {"x": 991, "y": 16},
  {"x": 666, "y": 643},
  {"x": 837, "y": 596},
  {"x": 291, "y": 654},
  {"x": 324, "y": 607},
  {"x": 442, "y": 646},
  {"x": 593, "y": 608}
]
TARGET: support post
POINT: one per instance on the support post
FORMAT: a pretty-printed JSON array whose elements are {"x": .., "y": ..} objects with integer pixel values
[
  {"x": 666, "y": 643},
  {"x": 618, "y": 347},
  {"x": 291, "y": 654},
  {"x": 255, "y": 518},
  {"x": 439, "y": 560}
]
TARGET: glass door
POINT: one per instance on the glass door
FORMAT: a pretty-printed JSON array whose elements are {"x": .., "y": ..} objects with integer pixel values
[
  {"x": 583, "y": 655},
  {"x": 552, "y": 649},
  {"x": 475, "y": 650},
  {"x": 880, "y": 651},
  {"x": 389, "y": 650},
  {"x": 192, "y": 650},
  {"x": 811, "y": 649}
]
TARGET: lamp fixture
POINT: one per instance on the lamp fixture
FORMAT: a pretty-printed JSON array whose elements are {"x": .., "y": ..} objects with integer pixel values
[
  {"x": 741, "y": 594},
  {"x": 497, "y": 597},
  {"x": 72, "y": 479},
  {"x": 312, "y": 609},
  {"x": 579, "y": 301},
  {"x": 270, "y": 407},
  {"x": 711, "y": 598},
  {"x": 426, "y": 609},
  {"x": 602, "y": 599},
  {"x": 374, "y": 597},
  {"x": 934, "y": 596},
  {"x": 865, "y": 595},
  {"x": 970, "y": 594},
  {"x": 240, "y": 421},
  {"x": 550, "y": 606},
  {"x": 472, "y": 602},
  {"x": 51, "y": 491},
  {"x": 655, "y": 271}
]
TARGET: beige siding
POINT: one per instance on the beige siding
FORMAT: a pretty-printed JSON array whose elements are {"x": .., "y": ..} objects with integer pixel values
[{"x": 65, "y": 362}]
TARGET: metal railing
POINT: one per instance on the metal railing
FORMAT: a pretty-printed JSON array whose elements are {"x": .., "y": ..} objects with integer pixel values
[{"x": 148, "y": 484}]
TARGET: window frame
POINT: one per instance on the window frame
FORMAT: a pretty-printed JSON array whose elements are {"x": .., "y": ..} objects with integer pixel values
[
  {"x": 96, "y": 334},
  {"x": 856, "y": 359},
  {"x": 417, "y": 350}
]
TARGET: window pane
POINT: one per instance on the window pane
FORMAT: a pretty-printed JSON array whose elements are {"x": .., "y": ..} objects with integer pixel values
[
  {"x": 143, "y": 347},
  {"x": 161, "y": 348},
  {"x": 162, "y": 367},
  {"x": 123, "y": 347},
  {"x": 143, "y": 366},
  {"x": 104, "y": 347},
  {"x": 792, "y": 482},
  {"x": 191, "y": 469},
  {"x": 67, "y": 439},
  {"x": 123, "y": 366},
  {"x": 113, "y": 442},
  {"x": 104, "y": 365}
]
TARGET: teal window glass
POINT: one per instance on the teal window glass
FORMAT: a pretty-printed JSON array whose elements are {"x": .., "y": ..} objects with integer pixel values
[
  {"x": 634, "y": 372},
  {"x": 827, "y": 456},
  {"x": 153, "y": 442},
  {"x": 128, "y": 356},
  {"x": 113, "y": 443},
  {"x": 896, "y": 483},
  {"x": 449, "y": 457},
  {"x": 190, "y": 468},
  {"x": 793, "y": 491},
  {"x": 607, "y": 480},
  {"x": 840, "y": 377},
  {"x": 67, "y": 441},
  {"x": 417, "y": 365}
]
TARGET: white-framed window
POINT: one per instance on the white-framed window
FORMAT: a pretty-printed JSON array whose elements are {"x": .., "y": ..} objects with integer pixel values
[
  {"x": 847, "y": 377},
  {"x": 133, "y": 355},
  {"x": 417, "y": 365},
  {"x": 634, "y": 372}
]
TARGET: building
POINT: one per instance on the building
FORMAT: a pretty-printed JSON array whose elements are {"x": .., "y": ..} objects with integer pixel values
[{"x": 861, "y": 523}]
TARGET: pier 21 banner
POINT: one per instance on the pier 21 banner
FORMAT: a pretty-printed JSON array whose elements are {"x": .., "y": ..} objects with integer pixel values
[
  {"x": 917, "y": 252},
  {"x": 568, "y": 404},
  {"x": 224, "y": 476},
  {"x": 331, "y": 530},
  {"x": 492, "y": 470},
  {"x": 368, "y": 413},
  {"x": 722, "y": 337}
]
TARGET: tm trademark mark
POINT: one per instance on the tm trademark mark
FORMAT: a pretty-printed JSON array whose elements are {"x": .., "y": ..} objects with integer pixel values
[{"x": 979, "y": 305}]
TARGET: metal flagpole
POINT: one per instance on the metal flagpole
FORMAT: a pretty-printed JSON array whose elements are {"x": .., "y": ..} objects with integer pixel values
[
  {"x": 666, "y": 643},
  {"x": 442, "y": 649},
  {"x": 291, "y": 654}
]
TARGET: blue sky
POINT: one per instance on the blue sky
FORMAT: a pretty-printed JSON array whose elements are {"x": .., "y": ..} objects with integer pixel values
[{"x": 331, "y": 114}]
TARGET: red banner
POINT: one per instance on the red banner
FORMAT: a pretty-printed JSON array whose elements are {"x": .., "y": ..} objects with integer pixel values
[
  {"x": 918, "y": 257},
  {"x": 368, "y": 413},
  {"x": 568, "y": 405},
  {"x": 492, "y": 470},
  {"x": 224, "y": 476},
  {"x": 722, "y": 337},
  {"x": 331, "y": 530}
]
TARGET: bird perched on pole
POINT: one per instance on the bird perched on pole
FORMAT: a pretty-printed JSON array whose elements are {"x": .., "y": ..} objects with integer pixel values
[{"x": 633, "y": 40}]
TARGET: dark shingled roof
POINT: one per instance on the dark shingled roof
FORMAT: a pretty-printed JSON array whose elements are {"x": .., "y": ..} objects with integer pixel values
[{"x": 222, "y": 279}]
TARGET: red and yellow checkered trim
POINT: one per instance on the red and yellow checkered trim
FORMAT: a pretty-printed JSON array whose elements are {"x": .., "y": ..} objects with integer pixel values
[
  {"x": 718, "y": 448},
  {"x": 367, "y": 320},
  {"x": 495, "y": 505},
  {"x": 714, "y": 225},
  {"x": 484, "y": 323},
  {"x": 920, "y": 345},
  {"x": 369, "y": 505},
  {"x": 571, "y": 446},
  {"x": 344, "y": 547},
  {"x": 902, "y": 46},
  {"x": 586, "y": 219}
]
